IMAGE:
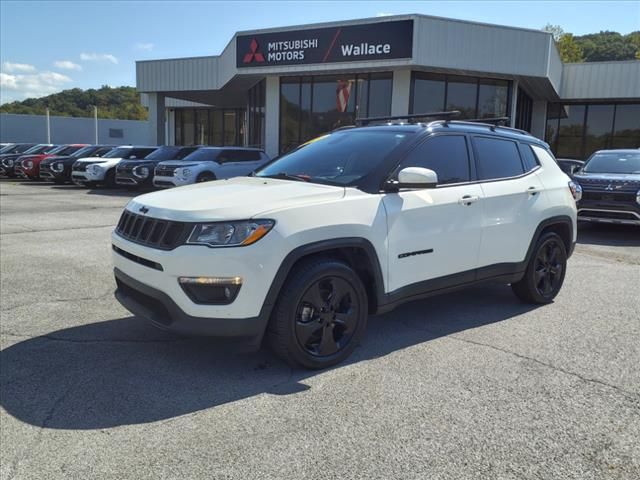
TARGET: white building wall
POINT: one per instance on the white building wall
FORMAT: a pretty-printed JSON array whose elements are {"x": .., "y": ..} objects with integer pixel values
[
  {"x": 272, "y": 116},
  {"x": 33, "y": 128}
]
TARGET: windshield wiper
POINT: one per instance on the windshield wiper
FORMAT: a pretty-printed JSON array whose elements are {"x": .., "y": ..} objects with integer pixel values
[{"x": 288, "y": 176}]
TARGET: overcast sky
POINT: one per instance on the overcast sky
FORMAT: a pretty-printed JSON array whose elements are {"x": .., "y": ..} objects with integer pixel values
[{"x": 49, "y": 46}]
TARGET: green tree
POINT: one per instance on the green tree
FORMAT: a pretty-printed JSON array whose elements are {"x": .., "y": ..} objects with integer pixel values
[
  {"x": 570, "y": 51},
  {"x": 118, "y": 102}
]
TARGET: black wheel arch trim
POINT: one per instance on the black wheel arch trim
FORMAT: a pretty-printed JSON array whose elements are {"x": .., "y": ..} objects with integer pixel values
[{"x": 318, "y": 247}]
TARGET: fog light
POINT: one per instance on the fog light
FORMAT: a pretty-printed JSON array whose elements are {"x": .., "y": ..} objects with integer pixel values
[{"x": 211, "y": 290}]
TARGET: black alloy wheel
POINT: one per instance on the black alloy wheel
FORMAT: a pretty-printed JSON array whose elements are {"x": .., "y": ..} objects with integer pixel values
[
  {"x": 320, "y": 315},
  {"x": 327, "y": 316},
  {"x": 545, "y": 272}
]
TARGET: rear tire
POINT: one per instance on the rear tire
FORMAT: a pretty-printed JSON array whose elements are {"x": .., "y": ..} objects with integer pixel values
[
  {"x": 320, "y": 315},
  {"x": 545, "y": 271},
  {"x": 205, "y": 177}
]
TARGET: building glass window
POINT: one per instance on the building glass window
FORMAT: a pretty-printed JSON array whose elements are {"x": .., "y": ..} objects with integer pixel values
[
  {"x": 256, "y": 115},
  {"x": 462, "y": 94},
  {"x": 474, "y": 97},
  {"x": 428, "y": 92},
  {"x": 312, "y": 106},
  {"x": 209, "y": 126},
  {"x": 578, "y": 130},
  {"x": 627, "y": 126},
  {"x": 188, "y": 127},
  {"x": 202, "y": 127}
]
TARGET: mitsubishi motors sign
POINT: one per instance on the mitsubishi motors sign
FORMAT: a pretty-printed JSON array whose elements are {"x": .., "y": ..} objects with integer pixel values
[{"x": 352, "y": 43}]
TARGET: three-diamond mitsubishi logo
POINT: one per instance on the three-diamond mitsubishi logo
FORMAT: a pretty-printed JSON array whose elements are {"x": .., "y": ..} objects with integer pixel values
[{"x": 253, "y": 55}]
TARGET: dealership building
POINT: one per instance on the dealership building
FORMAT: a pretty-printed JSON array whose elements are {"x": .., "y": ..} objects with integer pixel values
[{"x": 277, "y": 88}]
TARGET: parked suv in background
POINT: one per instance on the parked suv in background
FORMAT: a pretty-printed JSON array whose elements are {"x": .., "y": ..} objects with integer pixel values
[
  {"x": 209, "y": 163},
  {"x": 354, "y": 223},
  {"x": 29, "y": 165},
  {"x": 610, "y": 181},
  {"x": 15, "y": 148},
  {"x": 92, "y": 172},
  {"x": 140, "y": 172},
  {"x": 58, "y": 169},
  {"x": 10, "y": 161}
]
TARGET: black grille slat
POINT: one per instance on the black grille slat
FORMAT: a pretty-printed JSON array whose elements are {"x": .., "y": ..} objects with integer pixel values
[{"x": 152, "y": 232}]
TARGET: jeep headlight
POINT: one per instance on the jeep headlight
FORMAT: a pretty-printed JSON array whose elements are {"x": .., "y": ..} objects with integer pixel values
[
  {"x": 230, "y": 234},
  {"x": 141, "y": 172},
  {"x": 57, "y": 167},
  {"x": 638, "y": 197},
  {"x": 27, "y": 164},
  {"x": 95, "y": 169},
  {"x": 8, "y": 162}
]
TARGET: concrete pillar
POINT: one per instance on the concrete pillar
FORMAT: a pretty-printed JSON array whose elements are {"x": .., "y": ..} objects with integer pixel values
[
  {"x": 171, "y": 127},
  {"x": 272, "y": 116},
  {"x": 539, "y": 118},
  {"x": 157, "y": 118},
  {"x": 514, "y": 104},
  {"x": 400, "y": 92}
]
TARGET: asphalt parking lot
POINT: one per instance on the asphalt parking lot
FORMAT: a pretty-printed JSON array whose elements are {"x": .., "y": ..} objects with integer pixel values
[{"x": 468, "y": 385}]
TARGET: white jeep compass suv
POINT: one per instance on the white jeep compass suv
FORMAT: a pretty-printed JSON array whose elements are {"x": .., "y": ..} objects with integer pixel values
[{"x": 351, "y": 224}]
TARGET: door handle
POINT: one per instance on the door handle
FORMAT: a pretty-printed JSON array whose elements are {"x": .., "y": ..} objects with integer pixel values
[
  {"x": 468, "y": 199},
  {"x": 533, "y": 190}
]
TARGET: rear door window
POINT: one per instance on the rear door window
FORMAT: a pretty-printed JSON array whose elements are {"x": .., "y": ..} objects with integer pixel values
[
  {"x": 497, "y": 158},
  {"x": 227, "y": 156}
]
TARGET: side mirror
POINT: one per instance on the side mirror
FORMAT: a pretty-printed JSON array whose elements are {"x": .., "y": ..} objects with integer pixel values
[{"x": 415, "y": 177}]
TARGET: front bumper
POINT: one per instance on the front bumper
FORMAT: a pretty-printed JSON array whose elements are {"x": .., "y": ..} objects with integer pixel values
[
  {"x": 79, "y": 178},
  {"x": 148, "y": 286},
  {"x": 128, "y": 179},
  {"x": 166, "y": 182},
  {"x": 611, "y": 212},
  {"x": 158, "y": 308}
]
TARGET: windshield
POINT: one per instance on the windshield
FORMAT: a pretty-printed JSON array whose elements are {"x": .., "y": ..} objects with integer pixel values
[
  {"x": 613, "y": 162},
  {"x": 119, "y": 152},
  {"x": 340, "y": 158},
  {"x": 65, "y": 150},
  {"x": 38, "y": 149},
  {"x": 84, "y": 151},
  {"x": 7, "y": 149},
  {"x": 170, "y": 153},
  {"x": 203, "y": 155}
]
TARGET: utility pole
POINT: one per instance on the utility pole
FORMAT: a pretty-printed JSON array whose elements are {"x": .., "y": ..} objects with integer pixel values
[
  {"x": 48, "y": 126},
  {"x": 95, "y": 119}
]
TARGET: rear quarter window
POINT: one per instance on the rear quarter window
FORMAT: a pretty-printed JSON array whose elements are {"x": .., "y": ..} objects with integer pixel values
[
  {"x": 528, "y": 158},
  {"x": 497, "y": 158}
]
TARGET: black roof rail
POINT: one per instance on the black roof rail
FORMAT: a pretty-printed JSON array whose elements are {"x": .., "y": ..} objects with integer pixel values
[{"x": 413, "y": 116}]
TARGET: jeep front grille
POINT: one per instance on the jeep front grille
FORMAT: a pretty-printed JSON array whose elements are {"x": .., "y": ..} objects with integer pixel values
[{"x": 153, "y": 232}]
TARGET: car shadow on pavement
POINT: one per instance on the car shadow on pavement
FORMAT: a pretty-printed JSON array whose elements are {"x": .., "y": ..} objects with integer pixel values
[
  {"x": 125, "y": 372},
  {"x": 609, "y": 235}
]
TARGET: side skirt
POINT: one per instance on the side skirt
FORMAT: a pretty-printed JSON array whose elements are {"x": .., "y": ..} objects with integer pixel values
[{"x": 499, "y": 273}]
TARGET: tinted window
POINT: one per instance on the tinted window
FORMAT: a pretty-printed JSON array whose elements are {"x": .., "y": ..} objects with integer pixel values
[
  {"x": 203, "y": 155},
  {"x": 444, "y": 154},
  {"x": 528, "y": 157},
  {"x": 139, "y": 153},
  {"x": 341, "y": 158},
  {"x": 163, "y": 153},
  {"x": 239, "y": 156},
  {"x": 497, "y": 158},
  {"x": 119, "y": 152}
]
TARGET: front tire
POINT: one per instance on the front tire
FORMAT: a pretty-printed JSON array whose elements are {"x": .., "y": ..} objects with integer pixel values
[
  {"x": 320, "y": 316},
  {"x": 205, "y": 177},
  {"x": 545, "y": 272}
]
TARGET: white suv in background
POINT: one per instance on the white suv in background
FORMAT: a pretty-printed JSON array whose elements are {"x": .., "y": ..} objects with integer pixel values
[
  {"x": 90, "y": 172},
  {"x": 351, "y": 224},
  {"x": 209, "y": 163}
]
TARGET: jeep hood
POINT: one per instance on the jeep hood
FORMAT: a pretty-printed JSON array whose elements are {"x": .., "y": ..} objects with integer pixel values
[{"x": 235, "y": 199}]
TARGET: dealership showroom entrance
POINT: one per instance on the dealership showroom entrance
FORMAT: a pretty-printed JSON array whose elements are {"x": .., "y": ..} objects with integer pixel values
[{"x": 278, "y": 88}]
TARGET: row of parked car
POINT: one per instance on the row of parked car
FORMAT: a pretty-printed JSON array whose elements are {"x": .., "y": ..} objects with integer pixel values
[{"x": 127, "y": 165}]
